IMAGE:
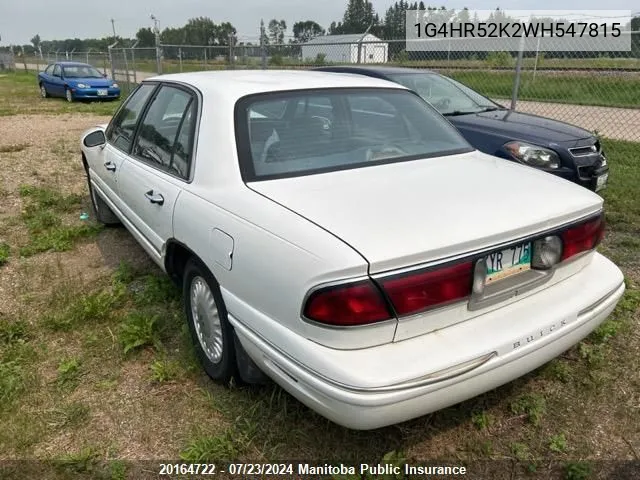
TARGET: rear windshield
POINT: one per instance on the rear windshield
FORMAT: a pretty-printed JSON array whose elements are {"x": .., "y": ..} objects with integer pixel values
[{"x": 305, "y": 132}]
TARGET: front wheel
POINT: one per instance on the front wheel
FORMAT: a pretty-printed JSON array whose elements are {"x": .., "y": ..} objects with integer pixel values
[
  {"x": 43, "y": 91},
  {"x": 104, "y": 214},
  {"x": 69, "y": 95},
  {"x": 211, "y": 332}
]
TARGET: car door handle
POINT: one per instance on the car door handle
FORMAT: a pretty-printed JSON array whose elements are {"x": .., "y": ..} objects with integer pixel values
[
  {"x": 110, "y": 166},
  {"x": 157, "y": 198}
]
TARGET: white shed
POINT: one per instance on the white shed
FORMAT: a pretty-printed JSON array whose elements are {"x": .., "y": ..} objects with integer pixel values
[{"x": 344, "y": 48}]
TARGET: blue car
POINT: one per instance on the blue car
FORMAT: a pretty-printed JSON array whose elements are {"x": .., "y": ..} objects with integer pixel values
[
  {"x": 556, "y": 147},
  {"x": 76, "y": 81}
]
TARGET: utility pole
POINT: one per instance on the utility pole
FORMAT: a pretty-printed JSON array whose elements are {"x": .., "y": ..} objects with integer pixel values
[
  {"x": 156, "y": 31},
  {"x": 113, "y": 26}
]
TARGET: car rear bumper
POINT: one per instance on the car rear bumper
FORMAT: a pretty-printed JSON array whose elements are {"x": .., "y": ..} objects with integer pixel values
[{"x": 481, "y": 354}]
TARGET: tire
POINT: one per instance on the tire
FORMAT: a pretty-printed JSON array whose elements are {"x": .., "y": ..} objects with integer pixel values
[
  {"x": 103, "y": 213},
  {"x": 43, "y": 91},
  {"x": 68, "y": 95},
  {"x": 211, "y": 332}
]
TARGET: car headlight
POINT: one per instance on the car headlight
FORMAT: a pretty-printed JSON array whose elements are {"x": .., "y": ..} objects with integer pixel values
[
  {"x": 115, "y": 85},
  {"x": 83, "y": 85},
  {"x": 533, "y": 155}
]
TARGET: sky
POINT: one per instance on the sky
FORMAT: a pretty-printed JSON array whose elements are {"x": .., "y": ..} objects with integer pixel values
[{"x": 20, "y": 20}]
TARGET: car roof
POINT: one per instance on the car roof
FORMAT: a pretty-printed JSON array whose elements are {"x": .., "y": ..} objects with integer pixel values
[
  {"x": 238, "y": 83},
  {"x": 372, "y": 70}
]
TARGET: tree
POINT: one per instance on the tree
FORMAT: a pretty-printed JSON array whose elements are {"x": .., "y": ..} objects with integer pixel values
[
  {"x": 36, "y": 41},
  {"x": 146, "y": 38},
  {"x": 276, "y": 30},
  {"x": 358, "y": 17},
  {"x": 305, "y": 31}
]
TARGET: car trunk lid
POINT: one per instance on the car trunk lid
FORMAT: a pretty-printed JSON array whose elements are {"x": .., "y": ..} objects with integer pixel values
[{"x": 409, "y": 213}]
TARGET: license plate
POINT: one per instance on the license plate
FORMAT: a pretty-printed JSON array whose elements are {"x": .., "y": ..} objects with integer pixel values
[
  {"x": 601, "y": 181},
  {"x": 103, "y": 93},
  {"x": 508, "y": 262}
]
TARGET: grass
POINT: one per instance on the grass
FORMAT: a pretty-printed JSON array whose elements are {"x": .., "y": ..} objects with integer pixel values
[
  {"x": 69, "y": 392},
  {"x": 20, "y": 94},
  {"x": 5, "y": 251},
  {"x": 571, "y": 88},
  {"x": 43, "y": 214},
  {"x": 13, "y": 148}
]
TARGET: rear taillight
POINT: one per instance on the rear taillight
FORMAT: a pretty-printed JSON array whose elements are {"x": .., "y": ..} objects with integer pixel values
[
  {"x": 416, "y": 292},
  {"x": 347, "y": 305},
  {"x": 583, "y": 237}
]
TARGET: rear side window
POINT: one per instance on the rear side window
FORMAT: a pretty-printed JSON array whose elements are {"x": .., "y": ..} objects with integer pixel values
[
  {"x": 325, "y": 130},
  {"x": 123, "y": 126}
]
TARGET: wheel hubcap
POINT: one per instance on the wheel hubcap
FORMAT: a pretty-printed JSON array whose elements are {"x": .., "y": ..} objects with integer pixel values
[
  {"x": 206, "y": 319},
  {"x": 69, "y": 97},
  {"x": 43, "y": 91}
]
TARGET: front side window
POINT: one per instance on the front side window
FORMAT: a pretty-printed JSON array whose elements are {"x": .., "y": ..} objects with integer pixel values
[
  {"x": 165, "y": 136},
  {"x": 332, "y": 129},
  {"x": 57, "y": 71},
  {"x": 123, "y": 126},
  {"x": 49, "y": 70}
]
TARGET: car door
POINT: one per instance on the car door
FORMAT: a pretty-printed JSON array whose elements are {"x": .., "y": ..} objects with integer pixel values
[
  {"x": 105, "y": 165},
  {"x": 159, "y": 165},
  {"x": 55, "y": 81}
]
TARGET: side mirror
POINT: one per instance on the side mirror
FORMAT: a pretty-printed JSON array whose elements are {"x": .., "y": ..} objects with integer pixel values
[
  {"x": 95, "y": 139},
  {"x": 104, "y": 75}
]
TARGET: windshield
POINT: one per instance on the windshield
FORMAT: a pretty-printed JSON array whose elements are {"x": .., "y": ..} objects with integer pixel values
[
  {"x": 81, "y": 71},
  {"x": 313, "y": 131},
  {"x": 445, "y": 94}
]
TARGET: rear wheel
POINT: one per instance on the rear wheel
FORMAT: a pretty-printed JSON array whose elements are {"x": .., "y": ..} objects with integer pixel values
[
  {"x": 69, "y": 95},
  {"x": 211, "y": 333},
  {"x": 43, "y": 91}
]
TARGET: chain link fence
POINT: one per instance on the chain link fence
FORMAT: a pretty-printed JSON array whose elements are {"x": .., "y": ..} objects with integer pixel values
[{"x": 599, "y": 91}]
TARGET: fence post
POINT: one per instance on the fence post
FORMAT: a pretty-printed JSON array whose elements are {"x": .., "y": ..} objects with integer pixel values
[
  {"x": 24, "y": 60},
  {"x": 263, "y": 49},
  {"x": 180, "y": 57},
  {"x": 205, "y": 58},
  {"x": 113, "y": 68},
  {"x": 126, "y": 66},
  {"x": 231, "y": 52},
  {"x": 133, "y": 62},
  {"x": 516, "y": 81}
]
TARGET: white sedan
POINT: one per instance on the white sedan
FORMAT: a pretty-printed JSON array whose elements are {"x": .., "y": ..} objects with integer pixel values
[{"x": 338, "y": 235}]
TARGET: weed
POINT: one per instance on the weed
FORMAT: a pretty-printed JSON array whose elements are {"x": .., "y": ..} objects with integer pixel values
[
  {"x": 11, "y": 382},
  {"x": 593, "y": 354},
  {"x": 139, "y": 330},
  {"x": 13, "y": 332},
  {"x": 69, "y": 373},
  {"x": 59, "y": 239},
  {"x": 71, "y": 415},
  {"x": 520, "y": 451},
  {"x": 222, "y": 447},
  {"x": 531, "y": 405},
  {"x": 124, "y": 274},
  {"x": 577, "y": 470},
  {"x": 117, "y": 470},
  {"x": 558, "y": 370},
  {"x": 558, "y": 443},
  {"x": 164, "y": 371},
  {"x": 482, "y": 420},
  {"x": 83, "y": 461},
  {"x": 13, "y": 147},
  {"x": 157, "y": 289},
  {"x": 5, "y": 251},
  {"x": 95, "y": 307}
]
